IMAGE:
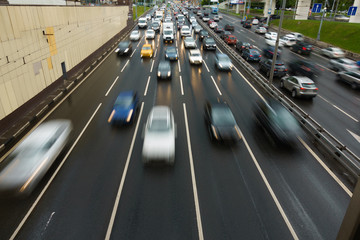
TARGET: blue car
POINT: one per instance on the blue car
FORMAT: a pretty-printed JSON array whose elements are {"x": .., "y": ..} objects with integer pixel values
[
  {"x": 251, "y": 55},
  {"x": 125, "y": 108}
]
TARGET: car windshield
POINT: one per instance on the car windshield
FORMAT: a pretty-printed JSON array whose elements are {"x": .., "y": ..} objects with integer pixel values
[
  {"x": 123, "y": 101},
  {"x": 171, "y": 50},
  {"x": 222, "y": 116},
  {"x": 309, "y": 85},
  {"x": 284, "y": 120},
  {"x": 123, "y": 44},
  {"x": 164, "y": 66},
  {"x": 189, "y": 40},
  {"x": 146, "y": 48},
  {"x": 253, "y": 51},
  {"x": 142, "y": 21},
  {"x": 149, "y": 31},
  {"x": 135, "y": 33},
  {"x": 167, "y": 32},
  {"x": 159, "y": 125},
  {"x": 195, "y": 54},
  {"x": 210, "y": 40},
  {"x": 224, "y": 58}
]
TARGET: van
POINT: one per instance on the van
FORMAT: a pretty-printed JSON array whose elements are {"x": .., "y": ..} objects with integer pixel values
[
  {"x": 168, "y": 32},
  {"x": 142, "y": 23}
]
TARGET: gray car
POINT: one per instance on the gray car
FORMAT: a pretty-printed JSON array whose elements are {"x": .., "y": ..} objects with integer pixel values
[
  {"x": 189, "y": 42},
  {"x": 343, "y": 64},
  {"x": 223, "y": 62},
  {"x": 351, "y": 77},
  {"x": 299, "y": 86}
]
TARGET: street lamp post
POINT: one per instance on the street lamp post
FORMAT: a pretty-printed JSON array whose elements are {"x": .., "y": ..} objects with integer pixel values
[{"x": 321, "y": 22}]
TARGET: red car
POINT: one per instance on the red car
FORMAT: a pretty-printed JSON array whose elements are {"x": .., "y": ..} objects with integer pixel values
[
  {"x": 230, "y": 39},
  {"x": 210, "y": 21}
]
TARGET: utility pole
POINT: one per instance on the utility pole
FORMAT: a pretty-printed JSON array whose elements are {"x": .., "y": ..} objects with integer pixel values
[
  {"x": 277, "y": 44},
  {"x": 321, "y": 22},
  {"x": 269, "y": 13},
  {"x": 135, "y": 9}
]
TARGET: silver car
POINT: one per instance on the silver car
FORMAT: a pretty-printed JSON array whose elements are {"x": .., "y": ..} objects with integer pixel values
[
  {"x": 23, "y": 168},
  {"x": 343, "y": 64},
  {"x": 223, "y": 62},
  {"x": 299, "y": 86},
  {"x": 135, "y": 35},
  {"x": 159, "y": 136},
  {"x": 351, "y": 77},
  {"x": 185, "y": 31},
  {"x": 150, "y": 34},
  {"x": 189, "y": 42},
  {"x": 333, "y": 52}
]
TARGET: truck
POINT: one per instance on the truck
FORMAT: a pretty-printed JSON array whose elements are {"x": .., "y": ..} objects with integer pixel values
[
  {"x": 142, "y": 23},
  {"x": 168, "y": 32},
  {"x": 159, "y": 14}
]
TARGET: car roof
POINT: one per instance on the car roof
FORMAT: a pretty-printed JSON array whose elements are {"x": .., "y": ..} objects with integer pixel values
[
  {"x": 303, "y": 79},
  {"x": 194, "y": 51},
  {"x": 147, "y": 45},
  {"x": 160, "y": 112}
]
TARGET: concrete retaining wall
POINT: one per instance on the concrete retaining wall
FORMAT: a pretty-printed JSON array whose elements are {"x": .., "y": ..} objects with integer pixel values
[{"x": 36, "y": 41}]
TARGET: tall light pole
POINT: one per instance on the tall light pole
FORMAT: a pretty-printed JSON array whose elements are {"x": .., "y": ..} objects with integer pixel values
[
  {"x": 321, "y": 22},
  {"x": 269, "y": 13},
  {"x": 135, "y": 9}
]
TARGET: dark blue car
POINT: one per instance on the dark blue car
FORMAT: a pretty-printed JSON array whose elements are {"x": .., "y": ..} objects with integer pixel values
[
  {"x": 251, "y": 55},
  {"x": 171, "y": 53},
  {"x": 125, "y": 108}
]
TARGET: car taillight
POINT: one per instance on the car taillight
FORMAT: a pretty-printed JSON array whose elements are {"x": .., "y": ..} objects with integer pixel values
[
  {"x": 307, "y": 69},
  {"x": 285, "y": 70},
  {"x": 304, "y": 48},
  {"x": 259, "y": 55},
  {"x": 251, "y": 55},
  {"x": 302, "y": 88},
  {"x": 316, "y": 89}
]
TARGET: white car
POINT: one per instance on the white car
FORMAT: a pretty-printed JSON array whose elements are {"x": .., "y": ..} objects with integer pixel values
[
  {"x": 185, "y": 31},
  {"x": 255, "y": 21},
  {"x": 25, "y": 166},
  {"x": 150, "y": 34},
  {"x": 213, "y": 25},
  {"x": 272, "y": 42},
  {"x": 260, "y": 30},
  {"x": 194, "y": 23},
  {"x": 189, "y": 42},
  {"x": 195, "y": 57},
  {"x": 271, "y": 35},
  {"x": 288, "y": 41},
  {"x": 192, "y": 19},
  {"x": 148, "y": 17},
  {"x": 220, "y": 16},
  {"x": 206, "y": 18},
  {"x": 333, "y": 52},
  {"x": 159, "y": 136},
  {"x": 343, "y": 64},
  {"x": 135, "y": 35},
  {"x": 142, "y": 23},
  {"x": 297, "y": 36}
]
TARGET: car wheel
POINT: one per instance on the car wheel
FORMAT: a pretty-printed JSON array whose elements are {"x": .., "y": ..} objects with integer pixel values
[
  {"x": 291, "y": 48},
  {"x": 299, "y": 51},
  {"x": 247, "y": 59},
  {"x": 293, "y": 93},
  {"x": 353, "y": 85},
  {"x": 282, "y": 84}
]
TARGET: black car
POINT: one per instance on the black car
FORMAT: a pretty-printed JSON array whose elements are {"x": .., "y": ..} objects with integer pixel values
[
  {"x": 279, "y": 70},
  {"x": 229, "y": 27},
  {"x": 124, "y": 48},
  {"x": 263, "y": 25},
  {"x": 277, "y": 122},
  {"x": 171, "y": 53},
  {"x": 274, "y": 16},
  {"x": 304, "y": 68},
  {"x": 203, "y": 34},
  {"x": 302, "y": 48},
  {"x": 269, "y": 52},
  {"x": 221, "y": 123},
  {"x": 164, "y": 70},
  {"x": 179, "y": 25},
  {"x": 156, "y": 27},
  {"x": 240, "y": 46},
  {"x": 247, "y": 24},
  {"x": 224, "y": 34},
  {"x": 219, "y": 29},
  {"x": 209, "y": 44}
]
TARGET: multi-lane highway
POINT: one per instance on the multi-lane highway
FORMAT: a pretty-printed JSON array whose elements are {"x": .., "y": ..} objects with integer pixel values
[{"x": 99, "y": 188}]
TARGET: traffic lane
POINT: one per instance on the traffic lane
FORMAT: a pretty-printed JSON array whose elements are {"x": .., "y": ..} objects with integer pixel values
[
  {"x": 288, "y": 177},
  {"x": 102, "y": 154},
  {"x": 158, "y": 201}
]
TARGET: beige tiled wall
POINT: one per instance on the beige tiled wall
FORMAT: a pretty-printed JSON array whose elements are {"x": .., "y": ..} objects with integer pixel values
[{"x": 77, "y": 32}]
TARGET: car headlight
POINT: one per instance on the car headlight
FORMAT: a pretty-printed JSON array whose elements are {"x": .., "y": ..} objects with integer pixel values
[
  {"x": 129, "y": 115},
  {"x": 214, "y": 131},
  {"x": 220, "y": 65},
  {"x": 166, "y": 55},
  {"x": 159, "y": 73},
  {"x": 126, "y": 50},
  {"x": 117, "y": 50},
  {"x": 207, "y": 45},
  {"x": 169, "y": 73},
  {"x": 111, "y": 116}
]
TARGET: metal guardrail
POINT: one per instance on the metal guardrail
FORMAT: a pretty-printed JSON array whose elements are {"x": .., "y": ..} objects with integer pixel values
[{"x": 334, "y": 147}]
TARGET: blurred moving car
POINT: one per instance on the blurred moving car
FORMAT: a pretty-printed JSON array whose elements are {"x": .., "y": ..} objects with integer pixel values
[
  {"x": 125, "y": 108},
  {"x": 247, "y": 24},
  {"x": 164, "y": 70},
  {"x": 135, "y": 35},
  {"x": 195, "y": 56},
  {"x": 205, "y": 18},
  {"x": 350, "y": 77},
  {"x": 230, "y": 39},
  {"x": 279, "y": 69},
  {"x": 269, "y": 52},
  {"x": 277, "y": 122},
  {"x": 124, "y": 48},
  {"x": 203, "y": 34},
  {"x": 271, "y": 35},
  {"x": 305, "y": 68},
  {"x": 299, "y": 86},
  {"x": 219, "y": 29},
  {"x": 155, "y": 26},
  {"x": 224, "y": 34},
  {"x": 272, "y": 42},
  {"x": 343, "y": 64},
  {"x": 197, "y": 28},
  {"x": 302, "y": 48},
  {"x": 251, "y": 55},
  {"x": 213, "y": 25},
  {"x": 261, "y": 30},
  {"x": 221, "y": 123},
  {"x": 287, "y": 41},
  {"x": 229, "y": 27},
  {"x": 185, "y": 31},
  {"x": 189, "y": 42},
  {"x": 216, "y": 18},
  {"x": 27, "y": 164},
  {"x": 223, "y": 62},
  {"x": 255, "y": 21},
  {"x": 240, "y": 46},
  {"x": 297, "y": 36},
  {"x": 209, "y": 44},
  {"x": 150, "y": 34},
  {"x": 171, "y": 53},
  {"x": 342, "y": 18},
  {"x": 146, "y": 51},
  {"x": 159, "y": 136},
  {"x": 333, "y": 52}
]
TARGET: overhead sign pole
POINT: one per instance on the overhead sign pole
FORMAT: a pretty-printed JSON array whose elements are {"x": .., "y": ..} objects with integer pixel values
[{"x": 321, "y": 22}]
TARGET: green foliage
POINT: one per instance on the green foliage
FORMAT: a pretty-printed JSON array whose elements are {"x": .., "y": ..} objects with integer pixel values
[{"x": 140, "y": 11}]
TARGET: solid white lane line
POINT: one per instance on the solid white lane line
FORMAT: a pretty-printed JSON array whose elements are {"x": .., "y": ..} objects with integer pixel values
[
  {"x": 152, "y": 65},
  {"x": 179, "y": 65},
  {"x": 176, "y": 43},
  {"x": 326, "y": 167},
  {"x": 147, "y": 85},
  {"x": 111, "y": 86},
  {"x": 357, "y": 137},
  {"x": 127, "y": 62},
  {"x": 118, "y": 195},
  {"x": 277, "y": 203},
  {"x": 206, "y": 66},
  {"x": 193, "y": 178},
  {"x": 256, "y": 91},
  {"x": 181, "y": 86},
  {"x": 52, "y": 177},
  {"x": 219, "y": 50},
  {"x": 140, "y": 41},
  {"x": 216, "y": 85},
  {"x": 339, "y": 109},
  {"x": 155, "y": 53},
  {"x": 133, "y": 53}
]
